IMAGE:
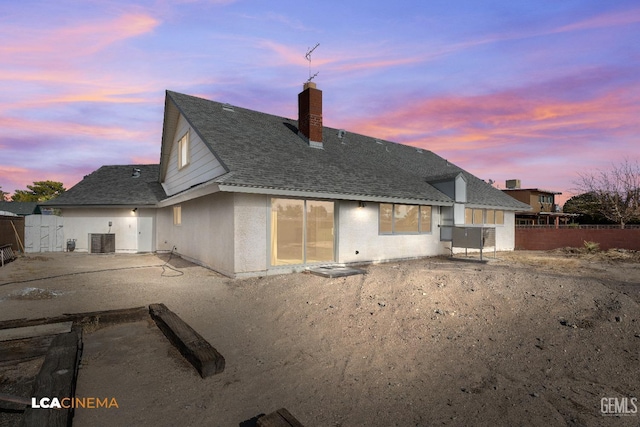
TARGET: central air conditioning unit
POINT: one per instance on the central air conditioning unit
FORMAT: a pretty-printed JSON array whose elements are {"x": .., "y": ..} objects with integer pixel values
[{"x": 102, "y": 243}]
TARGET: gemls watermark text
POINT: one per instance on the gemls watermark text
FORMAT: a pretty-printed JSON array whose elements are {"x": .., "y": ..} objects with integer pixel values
[
  {"x": 74, "y": 402},
  {"x": 614, "y": 406}
]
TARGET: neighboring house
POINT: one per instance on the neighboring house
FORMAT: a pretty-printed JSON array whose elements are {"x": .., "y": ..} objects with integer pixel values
[
  {"x": 20, "y": 208},
  {"x": 248, "y": 193},
  {"x": 544, "y": 210}
]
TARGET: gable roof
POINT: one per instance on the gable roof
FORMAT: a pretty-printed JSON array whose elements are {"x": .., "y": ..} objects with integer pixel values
[
  {"x": 114, "y": 185},
  {"x": 20, "y": 208},
  {"x": 263, "y": 151}
]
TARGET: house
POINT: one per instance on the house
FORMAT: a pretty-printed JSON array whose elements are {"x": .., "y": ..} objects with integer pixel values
[
  {"x": 249, "y": 193},
  {"x": 543, "y": 207}
]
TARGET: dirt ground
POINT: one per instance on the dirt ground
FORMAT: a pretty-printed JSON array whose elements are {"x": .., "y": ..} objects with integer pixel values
[{"x": 530, "y": 338}]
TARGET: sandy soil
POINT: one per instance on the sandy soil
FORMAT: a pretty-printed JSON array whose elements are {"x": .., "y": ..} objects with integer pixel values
[{"x": 531, "y": 338}]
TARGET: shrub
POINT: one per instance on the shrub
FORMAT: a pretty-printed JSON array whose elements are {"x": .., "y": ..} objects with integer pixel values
[{"x": 591, "y": 247}]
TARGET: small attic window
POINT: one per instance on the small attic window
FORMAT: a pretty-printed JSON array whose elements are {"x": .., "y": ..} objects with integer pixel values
[
  {"x": 228, "y": 107},
  {"x": 183, "y": 151}
]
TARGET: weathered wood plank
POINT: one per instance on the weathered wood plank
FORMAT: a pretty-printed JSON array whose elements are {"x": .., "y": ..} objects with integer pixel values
[
  {"x": 191, "y": 345},
  {"x": 24, "y": 349},
  {"x": 57, "y": 378},
  {"x": 15, "y": 399},
  {"x": 279, "y": 418},
  {"x": 35, "y": 331},
  {"x": 94, "y": 317}
]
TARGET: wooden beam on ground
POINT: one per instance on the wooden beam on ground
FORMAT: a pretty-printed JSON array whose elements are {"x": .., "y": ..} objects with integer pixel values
[
  {"x": 15, "y": 399},
  {"x": 90, "y": 318},
  {"x": 279, "y": 418},
  {"x": 25, "y": 349},
  {"x": 57, "y": 378},
  {"x": 35, "y": 331},
  {"x": 192, "y": 345}
]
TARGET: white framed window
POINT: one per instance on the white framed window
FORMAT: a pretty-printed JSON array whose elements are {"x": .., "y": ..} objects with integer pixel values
[
  {"x": 183, "y": 151},
  {"x": 490, "y": 216},
  {"x": 483, "y": 216},
  {"x": 404, "y": 219},
  {"x": 177, "y": 215}
]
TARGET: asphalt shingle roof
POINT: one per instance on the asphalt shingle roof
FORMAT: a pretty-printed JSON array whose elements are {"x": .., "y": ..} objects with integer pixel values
[
  {"x": 263, "y": 150},
  {"x": 20, "y": 208},
  {"x": 114, "y": 185}
]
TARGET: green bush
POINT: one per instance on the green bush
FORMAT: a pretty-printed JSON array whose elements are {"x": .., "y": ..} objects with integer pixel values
[{"x": 591, "y": 247}]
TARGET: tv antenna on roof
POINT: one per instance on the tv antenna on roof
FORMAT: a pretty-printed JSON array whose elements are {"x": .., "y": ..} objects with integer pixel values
[{"x": 308, "y": 56}]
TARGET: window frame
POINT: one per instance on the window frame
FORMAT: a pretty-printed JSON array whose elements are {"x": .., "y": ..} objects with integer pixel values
[
  {"x": 184, "y": 151},
  {"x": 393, "y": 231},
  {"x": 177, "y": 215},
  {"x": 306, "y": 232},
  {"x": 470, "y": 217}
]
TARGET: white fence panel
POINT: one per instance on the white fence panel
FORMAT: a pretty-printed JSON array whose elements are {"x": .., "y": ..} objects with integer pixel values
[{"x": 44, "y": 233}]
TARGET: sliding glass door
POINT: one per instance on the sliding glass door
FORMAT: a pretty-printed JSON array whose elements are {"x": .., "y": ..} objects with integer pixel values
[{"x": 302, "y": 231}]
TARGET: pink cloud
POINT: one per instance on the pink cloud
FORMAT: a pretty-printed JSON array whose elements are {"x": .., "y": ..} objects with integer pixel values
[
  {"x": 287, "y": 55},
  {"x": 62, "y": 64},
  {"x": 145, "y": 160},
  {"x": 30, "y": 127},
  {"x": 497, "y": 119},
  {"x": 606, "y": 20},
  {"x": 76, "y": 41},
  {"x": 14, "y": 178},
  {"x": 342, "y": 61}
]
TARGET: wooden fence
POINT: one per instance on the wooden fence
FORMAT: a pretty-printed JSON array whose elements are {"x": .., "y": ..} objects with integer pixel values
[{"x": 9, "y": 225}]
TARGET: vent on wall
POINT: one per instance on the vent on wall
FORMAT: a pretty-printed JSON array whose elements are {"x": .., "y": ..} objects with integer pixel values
[{"x": 102, "y": 243}]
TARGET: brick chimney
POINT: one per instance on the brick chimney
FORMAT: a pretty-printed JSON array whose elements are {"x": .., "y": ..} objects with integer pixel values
[{"x": 310, "y": 114}]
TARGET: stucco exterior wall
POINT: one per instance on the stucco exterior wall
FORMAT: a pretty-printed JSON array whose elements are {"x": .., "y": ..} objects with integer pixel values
[
  {"x": 250, "y": 233},
  {"x": 358, "y": 231},
  {"x": 206, "y": 234},
  {"x": 505, "y": 234},
  {"x": 125, "y": 224},
  {"x": 230, "y": 234}
]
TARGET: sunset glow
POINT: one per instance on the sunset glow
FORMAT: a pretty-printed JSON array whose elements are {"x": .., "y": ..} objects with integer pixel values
[{"x": 538, "y": 91}]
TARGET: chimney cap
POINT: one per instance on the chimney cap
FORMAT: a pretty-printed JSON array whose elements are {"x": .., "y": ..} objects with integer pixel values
[{"x": 308, "y": 85}]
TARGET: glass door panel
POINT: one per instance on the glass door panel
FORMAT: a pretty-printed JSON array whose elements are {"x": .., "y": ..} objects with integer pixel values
[
  {"x": 319, "y": 239},
  {"x": 287, "y": 227}
]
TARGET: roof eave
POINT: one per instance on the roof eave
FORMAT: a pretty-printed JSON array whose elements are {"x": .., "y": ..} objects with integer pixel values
[{"x": 272, "y": 191}]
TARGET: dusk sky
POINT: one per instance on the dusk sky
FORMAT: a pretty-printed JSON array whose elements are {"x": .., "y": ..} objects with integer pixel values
[{"x": 536, "y": 90}]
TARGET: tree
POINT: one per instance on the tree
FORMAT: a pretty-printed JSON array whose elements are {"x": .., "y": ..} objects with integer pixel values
[
  {"x": 3, "y": 195},
  {"x": 586, "y": 205},
  {"x": 41, "y": 191},
  {"x": 616, "y": 192}
]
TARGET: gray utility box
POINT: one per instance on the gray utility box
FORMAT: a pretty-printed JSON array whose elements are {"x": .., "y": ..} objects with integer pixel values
[
  {"x": 474, "y": 237},
  {"x": 469, "y": 237}
]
